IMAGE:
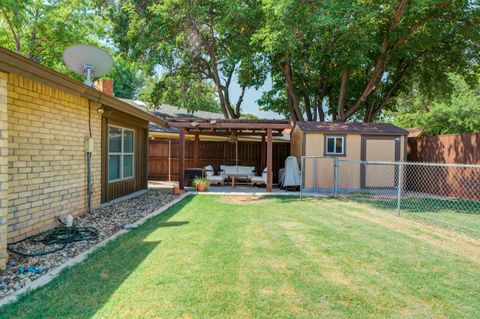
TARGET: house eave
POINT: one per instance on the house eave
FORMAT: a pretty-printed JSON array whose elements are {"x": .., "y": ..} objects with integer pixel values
[{"x": 12, "y": 62}]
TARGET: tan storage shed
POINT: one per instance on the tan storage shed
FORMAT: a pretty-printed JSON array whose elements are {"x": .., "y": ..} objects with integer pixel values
[{"x": 348, "y": 141}]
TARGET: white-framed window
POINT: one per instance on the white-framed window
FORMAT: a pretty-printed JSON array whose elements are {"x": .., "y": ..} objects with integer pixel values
[
  {"x": 335, "y": 145},
  {"x": 121, "y": 154}
]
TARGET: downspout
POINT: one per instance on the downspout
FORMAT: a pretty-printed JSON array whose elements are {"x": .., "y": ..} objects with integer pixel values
[{"x": 89, "y": 150}]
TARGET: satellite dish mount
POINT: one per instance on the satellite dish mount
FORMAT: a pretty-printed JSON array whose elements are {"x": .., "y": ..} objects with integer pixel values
[
  {"x": 88, "y": 71},
  {"x": 88, "y": 61}
]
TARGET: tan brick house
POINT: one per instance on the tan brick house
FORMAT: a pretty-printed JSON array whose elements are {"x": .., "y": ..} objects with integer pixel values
[{"x": 46, "y": 119}]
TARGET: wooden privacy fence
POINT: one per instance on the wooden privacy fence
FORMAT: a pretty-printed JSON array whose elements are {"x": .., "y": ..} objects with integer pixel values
[
  {"x": 451, "y": 181},
  {"x": 163, "y": 159},
  {"x": 448, "y": 149}
]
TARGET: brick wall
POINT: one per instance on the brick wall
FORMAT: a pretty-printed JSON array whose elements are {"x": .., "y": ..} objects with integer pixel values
[
  {"x": 3, "y": 169},
  {"x": 47, "y": 166}
]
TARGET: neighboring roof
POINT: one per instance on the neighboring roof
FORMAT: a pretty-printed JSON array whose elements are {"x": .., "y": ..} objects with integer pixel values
[
  {"x": 414, "y": 131},
  {"x": 12, "y": 62},
  {"x": 355, "y": 128},
  {"x": 166, "y": 112}
]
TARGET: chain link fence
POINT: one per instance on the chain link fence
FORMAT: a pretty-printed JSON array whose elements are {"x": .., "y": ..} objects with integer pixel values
[{"x": 408, "y": 187}]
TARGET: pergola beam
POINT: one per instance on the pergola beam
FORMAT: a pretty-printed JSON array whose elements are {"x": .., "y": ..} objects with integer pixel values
[
  {"x": 221, "y": 125},
  {"x": 209, "y": 133}
]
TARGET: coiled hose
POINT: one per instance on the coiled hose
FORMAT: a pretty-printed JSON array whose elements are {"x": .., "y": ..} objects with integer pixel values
[{"x": 60, "y": 235}]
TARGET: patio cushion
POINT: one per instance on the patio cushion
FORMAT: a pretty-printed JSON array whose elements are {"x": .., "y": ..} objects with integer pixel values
[
  {"x": 264, "y": 173},
  {"x": 209, "y": 170},
  {"x": 215, "y": 178},
  {"x": 258, "y": 180},
  {"x": 243, "y": 170}
]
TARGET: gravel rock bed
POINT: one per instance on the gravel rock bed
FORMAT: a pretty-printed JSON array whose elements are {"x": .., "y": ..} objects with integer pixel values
[{"x": 107, "y": 220}]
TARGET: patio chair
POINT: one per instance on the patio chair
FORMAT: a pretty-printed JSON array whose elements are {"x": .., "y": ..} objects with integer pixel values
[
  {"x": 259, "y": 180},
  {"x": 209, "y": 174}
]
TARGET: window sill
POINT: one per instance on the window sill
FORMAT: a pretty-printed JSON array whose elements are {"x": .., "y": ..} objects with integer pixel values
[
  {"x": 121, "y": 180},
  {"x": 334, "y": 155}
]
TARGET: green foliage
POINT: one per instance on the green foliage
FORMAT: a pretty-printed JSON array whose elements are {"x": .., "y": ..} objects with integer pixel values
[
  {"x": 328, "y": 60},
  {"x": 190, "y": 94},
  {"x": 191, "y": 40},
  {"x": 458, "y": 112},
  {"x": 199, "y": 181},
  {"x": 384, "y": 49},
  {"x": 127, "y": 78},
  {"x": 249, "y": 116},
  {"x": 40, "y": 29}
]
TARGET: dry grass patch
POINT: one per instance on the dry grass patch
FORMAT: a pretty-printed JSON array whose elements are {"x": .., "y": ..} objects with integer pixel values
[
  {"x": 448, "y": 240},
  {"x": 244, "y": 199}
]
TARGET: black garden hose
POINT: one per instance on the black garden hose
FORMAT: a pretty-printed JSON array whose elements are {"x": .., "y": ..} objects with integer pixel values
[{"x": 60, "y": 235}]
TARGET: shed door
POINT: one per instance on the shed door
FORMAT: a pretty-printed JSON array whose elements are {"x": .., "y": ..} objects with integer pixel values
[{"x": 380, "y": 148}]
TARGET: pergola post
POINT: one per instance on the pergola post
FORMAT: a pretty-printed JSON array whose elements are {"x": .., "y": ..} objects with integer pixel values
[
  {"x": 181, "y": 159},
  {"x": 195, "y": 150},
  {"x": 269, "y": 160},
  {"x": 263, "y": 162}
]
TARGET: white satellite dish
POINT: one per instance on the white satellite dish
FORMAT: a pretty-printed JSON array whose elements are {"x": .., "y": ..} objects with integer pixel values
[{"x": 87, "y": 60}]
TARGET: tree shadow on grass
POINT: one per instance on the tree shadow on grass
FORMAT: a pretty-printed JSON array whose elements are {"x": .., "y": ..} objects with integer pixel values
[{"x": 80, "y": 291}]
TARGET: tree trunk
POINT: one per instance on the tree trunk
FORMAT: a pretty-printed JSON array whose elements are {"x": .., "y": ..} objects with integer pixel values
[
  {"x": 343, "y": 95},
  {"x": 224, "y": 103},
  {"x": 287, "y": 72},
  {"x": 332, "y": 108},
  {"x": 16, "y": 38},
  {"x": 308, "y": 109},
  {"x": 315, "y": 109},
  {"x": 319, "y": 106},
  {"x": 239, "y": 103}
]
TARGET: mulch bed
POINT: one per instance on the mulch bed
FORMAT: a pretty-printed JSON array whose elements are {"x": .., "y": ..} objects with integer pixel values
[{"x": 107, "y": 220}]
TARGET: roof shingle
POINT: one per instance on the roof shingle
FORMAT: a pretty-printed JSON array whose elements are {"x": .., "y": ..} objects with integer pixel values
[{"x": 355, "y": 128}]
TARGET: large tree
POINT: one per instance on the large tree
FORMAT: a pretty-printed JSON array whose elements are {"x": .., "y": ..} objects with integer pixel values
[
  {"x": 351, "y": 59},
  {"x": 458, "y": 112},
  {"x": 180, "y": 91},
  {"x": 203, "y": 40}
]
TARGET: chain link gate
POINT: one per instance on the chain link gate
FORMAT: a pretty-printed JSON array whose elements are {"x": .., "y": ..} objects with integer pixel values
[{"x": 395, "y": 186}]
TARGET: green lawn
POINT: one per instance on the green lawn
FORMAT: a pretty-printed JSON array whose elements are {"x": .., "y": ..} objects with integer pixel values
[
  {"x": 461, "y": 216},
  {"x": 276, "y": 257}
]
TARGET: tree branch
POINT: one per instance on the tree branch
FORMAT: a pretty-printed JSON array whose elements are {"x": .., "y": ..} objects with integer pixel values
[
  {"x": 239, "y": 102},
  {"x": 343, "y": 94},
  {"x": 18, "y": 44}
]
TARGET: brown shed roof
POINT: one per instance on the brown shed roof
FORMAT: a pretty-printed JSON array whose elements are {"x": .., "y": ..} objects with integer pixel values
[{"x": 355, "y": 128}]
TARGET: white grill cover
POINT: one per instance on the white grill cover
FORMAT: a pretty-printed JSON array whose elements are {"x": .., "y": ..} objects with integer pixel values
[{"x": 291, "y": 173}]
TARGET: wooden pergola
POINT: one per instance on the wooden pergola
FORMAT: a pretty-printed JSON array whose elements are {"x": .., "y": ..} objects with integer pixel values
[{"x": 228, "y": 127}]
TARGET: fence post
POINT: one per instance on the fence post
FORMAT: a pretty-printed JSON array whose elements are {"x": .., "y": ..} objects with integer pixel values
[
  {"x": 399, "y": 186},
  {"x": 302, "y": 168},
  {"x": 335, "y": 177}
]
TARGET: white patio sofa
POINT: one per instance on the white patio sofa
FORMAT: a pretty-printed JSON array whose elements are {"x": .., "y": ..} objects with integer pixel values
[{"x": 241, "y": 172}]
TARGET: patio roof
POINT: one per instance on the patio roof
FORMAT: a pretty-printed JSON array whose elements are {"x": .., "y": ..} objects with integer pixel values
[
  {"x": 220, "y": 127},
  {"x": 265, "y": 128}
]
